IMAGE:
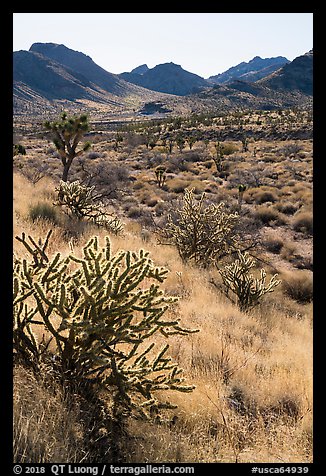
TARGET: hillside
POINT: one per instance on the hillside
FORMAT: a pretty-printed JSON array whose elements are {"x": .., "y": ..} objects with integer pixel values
[
  {"x": 167, "y": 78},
  {"x": 50, "y": 77},
  {"x": 83, "y": 64},
  {"x": 251, "y": 71},
  {"x": 296, "y": 76}
]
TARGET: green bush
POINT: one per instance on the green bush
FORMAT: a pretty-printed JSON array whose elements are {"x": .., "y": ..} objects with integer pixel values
[{"x": 44, "y": 211}]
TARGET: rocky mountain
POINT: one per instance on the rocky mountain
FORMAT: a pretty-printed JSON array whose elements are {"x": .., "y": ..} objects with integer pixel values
[
  {"x": 255, "y": 69},
  {"x": 289, "y": 86},
  {"x": 83, "y": 64},
  {"x": 34, "y": 72},
  {"x": 168, "y": 78},
  {"x": 296, "y": 76},
  {"x": 51, "y": 76},
  {"x": 143, "y": 68}
]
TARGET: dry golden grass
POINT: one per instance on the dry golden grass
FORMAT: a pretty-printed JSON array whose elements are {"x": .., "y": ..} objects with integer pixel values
[
  {"x": 46, "y": 426},
  {"x": 252, "y": 371}
]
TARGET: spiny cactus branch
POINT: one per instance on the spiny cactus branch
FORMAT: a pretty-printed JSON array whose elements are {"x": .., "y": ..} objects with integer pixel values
[{"x": 100, "y": 315}]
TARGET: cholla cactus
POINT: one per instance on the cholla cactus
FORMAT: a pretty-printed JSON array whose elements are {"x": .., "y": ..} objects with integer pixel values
[
  {"x": 245, "y": 142},
  {"x": 79, "y": 201},
  {"x": 247, "y": 289},
  {"x": 202, "y": 234},
  {"x": 101, "y": 311}
]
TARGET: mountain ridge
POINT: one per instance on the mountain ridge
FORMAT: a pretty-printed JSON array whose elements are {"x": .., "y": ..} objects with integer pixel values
[
  {"x": 168, "y": 78},
  {"x": 49, "y": 75},
  {"x": 244, "y": 69}
]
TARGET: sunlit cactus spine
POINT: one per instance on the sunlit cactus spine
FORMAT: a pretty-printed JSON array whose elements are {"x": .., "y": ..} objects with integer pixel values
[
  {"x": 202, "y": 233},
  {"x": 247, "y": 289},
  {"x": 81, "y": 202},
  {"x": 100, "y": 311}
]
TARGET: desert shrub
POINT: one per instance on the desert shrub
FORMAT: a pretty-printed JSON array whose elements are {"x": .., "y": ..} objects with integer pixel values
[
  {"x": 192, "y": 156},
  {"x": 289, "y": 251},
  {"x": 134, "y": 212},
  {"x": 128, "y": 202},
  {"x": 108, "y": 178},
  {"x": 303, "y": 221},
  {"x": 288, "y": 208},
  {"x": 177, "y": 185},
  {"x": 202, "y": 234},
  {"x": 290, "y": 149},
  {"x": 298, "y": 285},
  {"x": 155, "y": 161},
  {"x": 269, "y": 158},
  {"x": 94, "y": 155},
  {"x": 160, "y": 208},
  {"x": 98, "y": 311},
  {"x": 198, "y": 186},
  {"x": 264, "y": 196},
  {"x": 247, "y": 289},
  {"x": 208, "y": 164},
  {"x": 177, "y": 163},
  {"x": 274, "y": 245},
  {"x": 19, "y": 149},
  {"x": 229, "y": 148},
  {"x": 151, "y": 201},
  {"x": 44, "y": 211},
  {"x": 268, "y": 215}
]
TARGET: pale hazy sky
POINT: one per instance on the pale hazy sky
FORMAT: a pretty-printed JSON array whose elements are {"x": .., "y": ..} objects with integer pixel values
[{"x": 202, "y": 43}]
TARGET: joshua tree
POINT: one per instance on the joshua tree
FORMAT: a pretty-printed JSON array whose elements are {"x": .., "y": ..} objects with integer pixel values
[
  {"x": 67, "y": 134},
  {"x": 117, "y": 140},
  {"x": 242, "y": 188},
  {"x": 171, "y": 143},
  {"x": 191, "y": 140},
  {"x": 160, "y": 175},
  {"x": 180, "y": 142}
]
